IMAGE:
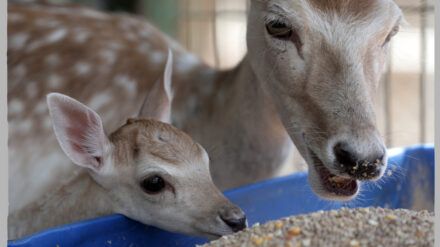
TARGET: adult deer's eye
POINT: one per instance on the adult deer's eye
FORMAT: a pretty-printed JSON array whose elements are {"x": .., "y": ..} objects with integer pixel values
[
  {"x": 283, "y": 31},
  {"x": 153, "y": 185},
  {"x": 279, "y": 29}
]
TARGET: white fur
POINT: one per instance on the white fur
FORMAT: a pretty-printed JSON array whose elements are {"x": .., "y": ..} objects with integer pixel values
[
  {"x": 109, "y": 56},
  {"x": 82, "y": 68},
  {"x": 19, "y": 71},
  {"x": 127, "y": 83},
  {"x": 52, "y": 59},
  {"x": 18, "y": 41},
  {"x": 55, "y": 81},
  {"x": 56, "y": 35},
  {"x": 15, "y": 106}
]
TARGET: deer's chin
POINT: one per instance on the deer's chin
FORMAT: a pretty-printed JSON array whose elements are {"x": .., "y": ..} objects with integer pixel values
[
  {"x": 329, "y": 185},
  {"x": 212, "y": 235}
]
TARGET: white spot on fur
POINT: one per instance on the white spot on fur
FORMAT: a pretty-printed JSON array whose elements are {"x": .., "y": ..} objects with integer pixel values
[
  {"x": 114, "y": 45},
  {"x": 56, "y": 10},
  {"x": 81, "y": 36},
  {"x": 35, "y": 44},
  {"x": 56, "y": 35},
  {"x": 129, "y": 84},
  {"x": 130, "y": 36},
  {"x": 40, "y": 107},
  {"x": 144, "y": 33},
  {"x": 108, "y": 55},
  {"x": 144, "y": 48},
  {"x": 19, "y": 71},
  {"x": 15, "y": 17},
  {"x": 100, "y": 100},
  {"x": 15, "y": 106},
  {"x": 186, "y": 62},
  {"x": 157, "y": 57},
  {"x": 124, "y": 25},
  {"x": 18, "y": 41},
  {"x": 24, "y": 126},
  {"x": 52, "y": 59},
  {"x": 82, "y": 68},
  {"x": 54, "y": 81},
  {"x": 47, "y": 123},
  {"x": 49, "y": 23},
  {"x": 93, "y": 14},
  {"x": 53, "y": 37},
  {"x": 32, "y": 90}
]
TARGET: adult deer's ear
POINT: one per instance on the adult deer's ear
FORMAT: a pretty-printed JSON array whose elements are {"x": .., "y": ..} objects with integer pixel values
[
  {"x": 78, "y": 130},
  {"x": 157, "y": 104}
]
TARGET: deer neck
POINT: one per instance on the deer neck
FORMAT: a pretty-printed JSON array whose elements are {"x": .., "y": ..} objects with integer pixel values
[
  {"x": 231, "y": 115},
  {"x": 79, "y": 199},
  {"x": 210, "y": 94}
]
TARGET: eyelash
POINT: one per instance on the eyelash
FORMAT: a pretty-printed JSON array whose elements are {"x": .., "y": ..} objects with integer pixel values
[
  {"x": 289, "y": 34},
  {"x": 390, "y": 35}
]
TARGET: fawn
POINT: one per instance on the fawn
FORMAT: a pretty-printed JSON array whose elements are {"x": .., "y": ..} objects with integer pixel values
[{"x": 147, "y": 170}]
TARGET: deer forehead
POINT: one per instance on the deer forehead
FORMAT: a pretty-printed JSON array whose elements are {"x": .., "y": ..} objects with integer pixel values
[
  {"x": 155, "y": 140},
  {"x": 361, "y": 9},
  {"x": 358, "y": 8},
  {"x": 334, "y": 19}
]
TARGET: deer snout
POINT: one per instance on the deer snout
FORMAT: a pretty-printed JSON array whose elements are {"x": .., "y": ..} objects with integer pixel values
[
  {"x": 234, "y": 217},
  {"x": 368, "y": 165}
]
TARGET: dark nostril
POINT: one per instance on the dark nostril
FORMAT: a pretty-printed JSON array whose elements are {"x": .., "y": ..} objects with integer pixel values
[
  {"x": 343, "y": 155},
  {"x": 235, "y": 224}
]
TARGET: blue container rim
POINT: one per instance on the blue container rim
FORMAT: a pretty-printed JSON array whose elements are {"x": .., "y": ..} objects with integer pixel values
[{"x": 116, "y": 222}]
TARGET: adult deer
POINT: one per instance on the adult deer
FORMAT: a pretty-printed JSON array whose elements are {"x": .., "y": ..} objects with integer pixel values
[
  {"x": 147, "y": 170},
  {"x": 310, "y": 76}
]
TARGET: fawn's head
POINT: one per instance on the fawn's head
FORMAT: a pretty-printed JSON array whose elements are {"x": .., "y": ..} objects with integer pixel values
[
  {"x": 154, "y": 173},
  {"x": 321, "y": 62}
]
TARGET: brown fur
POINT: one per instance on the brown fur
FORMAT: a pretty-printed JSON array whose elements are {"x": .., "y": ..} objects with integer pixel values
[
  {"x": 70, "y": 52},
  {"x": 161, "y": 140}
]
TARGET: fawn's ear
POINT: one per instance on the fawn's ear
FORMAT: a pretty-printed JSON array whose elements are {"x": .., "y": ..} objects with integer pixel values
[
  {"x": 78, "y": 130},
  {"x": 157, "y": 104}
]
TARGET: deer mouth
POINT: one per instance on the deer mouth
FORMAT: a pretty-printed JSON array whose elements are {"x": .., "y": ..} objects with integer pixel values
[{"x": 333, "y": 184}]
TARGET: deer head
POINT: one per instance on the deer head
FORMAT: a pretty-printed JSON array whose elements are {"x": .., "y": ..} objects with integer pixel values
[
  {"x": 321, "y": 61},
  {"x": 154, "y": 173}
]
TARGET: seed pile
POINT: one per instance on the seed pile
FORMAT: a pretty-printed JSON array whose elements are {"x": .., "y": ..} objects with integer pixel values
[{"x": 358, "y": 227}]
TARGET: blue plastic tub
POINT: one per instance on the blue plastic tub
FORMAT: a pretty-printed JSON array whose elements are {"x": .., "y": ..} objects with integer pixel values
[{"x": 410, "y": 185}]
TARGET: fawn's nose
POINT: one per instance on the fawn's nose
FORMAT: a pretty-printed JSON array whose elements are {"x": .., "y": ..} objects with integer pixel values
[
  {"x": 234, "y": 217},
  {"x": 362, "y": 167}
]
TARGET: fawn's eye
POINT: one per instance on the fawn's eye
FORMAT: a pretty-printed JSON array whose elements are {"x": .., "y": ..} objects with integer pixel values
[
  {"x": 153, "y": 185},
  {"x": 279, "y": 29}
]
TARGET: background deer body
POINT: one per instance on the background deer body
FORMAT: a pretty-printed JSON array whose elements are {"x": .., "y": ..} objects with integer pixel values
[
  {"x": 94, "y": 202},
  {"x": 292, "y": 78},
  {"x": 207, "y": 104},
  {"x": 146, "y": 169}
]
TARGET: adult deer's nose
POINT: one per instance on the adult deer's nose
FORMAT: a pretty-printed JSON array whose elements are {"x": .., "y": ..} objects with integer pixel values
[
  {"x": 234, "y": 217},
  {"x": 362, "y": 167}
]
